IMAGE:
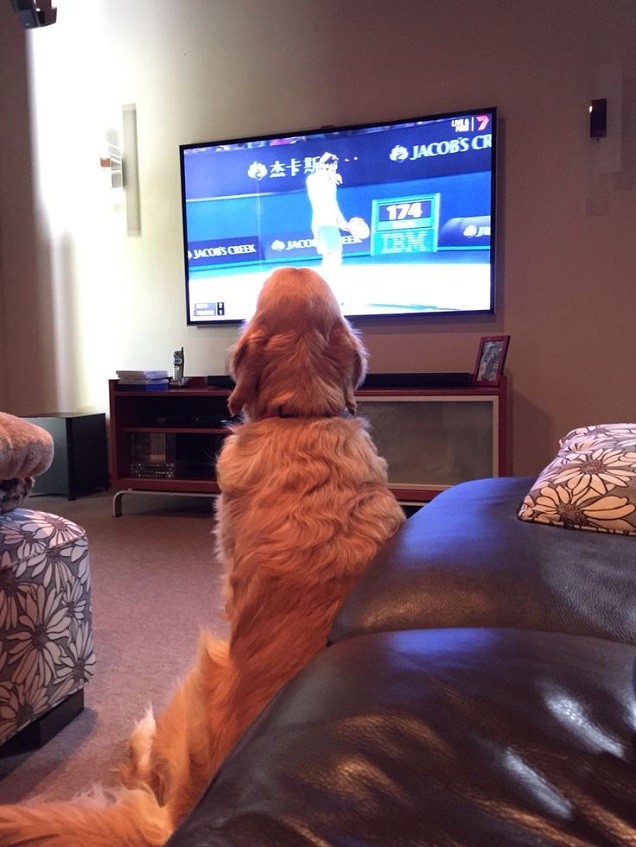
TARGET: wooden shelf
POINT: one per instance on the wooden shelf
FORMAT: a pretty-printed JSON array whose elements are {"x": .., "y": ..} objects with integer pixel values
[
  {"x": 176, "y": 431},
  {"x": 173, "y": 485}
]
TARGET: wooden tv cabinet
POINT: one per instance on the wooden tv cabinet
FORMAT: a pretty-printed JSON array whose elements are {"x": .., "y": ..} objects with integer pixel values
[{"x": 167, "y": 441}]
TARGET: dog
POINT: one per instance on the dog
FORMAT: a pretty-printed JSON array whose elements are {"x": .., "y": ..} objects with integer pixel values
[{"x": 304, "y": 507}]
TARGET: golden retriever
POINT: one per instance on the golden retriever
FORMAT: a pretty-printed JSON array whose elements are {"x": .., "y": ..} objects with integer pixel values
[{"x": 303, "y": 509}]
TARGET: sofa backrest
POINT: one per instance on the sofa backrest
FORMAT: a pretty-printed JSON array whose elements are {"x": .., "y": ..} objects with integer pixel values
[{"x": 467, "y": 560}]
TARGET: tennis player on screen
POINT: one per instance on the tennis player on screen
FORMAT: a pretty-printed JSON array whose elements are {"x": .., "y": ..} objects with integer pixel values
[{"x": 327, "y": 219}]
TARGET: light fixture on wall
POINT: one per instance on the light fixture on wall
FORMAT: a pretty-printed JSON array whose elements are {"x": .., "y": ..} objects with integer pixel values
[
  {"x": 110, "y": 159},
  {"x": 32, "y": 14},
  {"x": 119, "y": 161},
  {"x": 598, "y": 118},
  {"x": 606, "y": 118},
  {"x": 130, "y": 168}
]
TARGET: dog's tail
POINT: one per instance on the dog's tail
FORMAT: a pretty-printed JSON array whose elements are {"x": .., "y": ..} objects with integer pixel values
[{"x": 135, "y": 819}]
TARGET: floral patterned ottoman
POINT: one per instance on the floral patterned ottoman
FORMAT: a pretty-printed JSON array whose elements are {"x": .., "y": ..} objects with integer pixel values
[{"x": 46, "y": 639}]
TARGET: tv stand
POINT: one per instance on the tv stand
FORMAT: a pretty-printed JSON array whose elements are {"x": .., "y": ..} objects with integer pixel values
[
  {"x": 433, "y": 438},
  {"x": 166, "y": 442}
]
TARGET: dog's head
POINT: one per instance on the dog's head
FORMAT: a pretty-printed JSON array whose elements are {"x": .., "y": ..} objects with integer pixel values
[{"x": 297, "y": 356}]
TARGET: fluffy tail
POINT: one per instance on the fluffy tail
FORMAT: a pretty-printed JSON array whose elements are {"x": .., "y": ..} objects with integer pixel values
[{"x": 135, "y": 819}]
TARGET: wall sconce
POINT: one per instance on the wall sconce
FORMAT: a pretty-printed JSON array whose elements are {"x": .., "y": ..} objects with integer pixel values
[
  {"x": 606, "y": 118},
  {"x": 119, "y": 158},
  {"x": 598, "y": 118},
  {"x": 110, "y": 160},
  {"x": 131, "y": 169}
]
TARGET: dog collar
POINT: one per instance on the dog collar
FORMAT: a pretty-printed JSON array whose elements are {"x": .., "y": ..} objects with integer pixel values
[{"x": 281, "y": 413}]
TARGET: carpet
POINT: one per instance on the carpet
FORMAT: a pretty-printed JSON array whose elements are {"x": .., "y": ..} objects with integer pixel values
[{"x": 155, "y": 583}]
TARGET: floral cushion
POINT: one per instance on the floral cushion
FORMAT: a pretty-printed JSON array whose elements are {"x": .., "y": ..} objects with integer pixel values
[{"x": 591, "y": 482}]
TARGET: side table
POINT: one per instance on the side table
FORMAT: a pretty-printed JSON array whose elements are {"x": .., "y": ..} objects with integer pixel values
[{"x": 80, "y": 463}]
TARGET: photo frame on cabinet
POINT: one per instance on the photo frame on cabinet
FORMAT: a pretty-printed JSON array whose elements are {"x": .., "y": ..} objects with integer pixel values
[{"x": 491, "y": 359}]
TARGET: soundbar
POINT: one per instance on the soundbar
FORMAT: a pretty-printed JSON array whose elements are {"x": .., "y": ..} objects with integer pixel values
[
  {"x": 220, "y": 381},
  {"x": 455, "y": 379},
  {"x": 443, "y": 379}
]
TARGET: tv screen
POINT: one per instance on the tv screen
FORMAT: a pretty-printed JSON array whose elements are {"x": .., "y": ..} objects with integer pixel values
[{"x": 398, "y": 217}]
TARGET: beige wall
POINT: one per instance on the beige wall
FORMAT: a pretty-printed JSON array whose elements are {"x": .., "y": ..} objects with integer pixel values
[{"x": 81, "y": 298}]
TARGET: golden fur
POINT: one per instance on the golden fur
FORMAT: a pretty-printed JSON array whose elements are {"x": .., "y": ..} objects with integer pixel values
[{"x": 304, "y": 507}]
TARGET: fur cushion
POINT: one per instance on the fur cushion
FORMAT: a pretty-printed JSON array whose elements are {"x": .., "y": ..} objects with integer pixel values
[{"x": 26, "y": 450}]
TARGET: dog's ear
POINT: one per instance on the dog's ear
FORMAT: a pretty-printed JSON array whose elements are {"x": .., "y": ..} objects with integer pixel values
[
  {"x": 245, "y": 365},
  {"x": 351, "y": 359},
  {"x": 360, "y": 359}
]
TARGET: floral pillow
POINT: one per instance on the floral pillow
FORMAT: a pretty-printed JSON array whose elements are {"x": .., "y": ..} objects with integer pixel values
[{"x": 591, "y": 482}]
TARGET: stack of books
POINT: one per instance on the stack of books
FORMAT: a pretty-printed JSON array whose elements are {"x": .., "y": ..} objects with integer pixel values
[{"x": 143, "y": 380}]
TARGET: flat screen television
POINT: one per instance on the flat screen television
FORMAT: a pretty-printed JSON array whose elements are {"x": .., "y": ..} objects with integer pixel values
[{"x": 399, "y": 217}]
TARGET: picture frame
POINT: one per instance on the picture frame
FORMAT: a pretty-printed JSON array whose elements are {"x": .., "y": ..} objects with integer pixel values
[{"x": 491, "y": 359}]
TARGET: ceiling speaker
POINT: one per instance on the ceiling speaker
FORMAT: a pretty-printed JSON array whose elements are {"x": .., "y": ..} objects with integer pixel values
[{"x": 32, "y": 14}]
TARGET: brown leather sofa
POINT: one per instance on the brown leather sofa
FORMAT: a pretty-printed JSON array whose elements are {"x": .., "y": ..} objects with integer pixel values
[{"x": 478, "y": 689}]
